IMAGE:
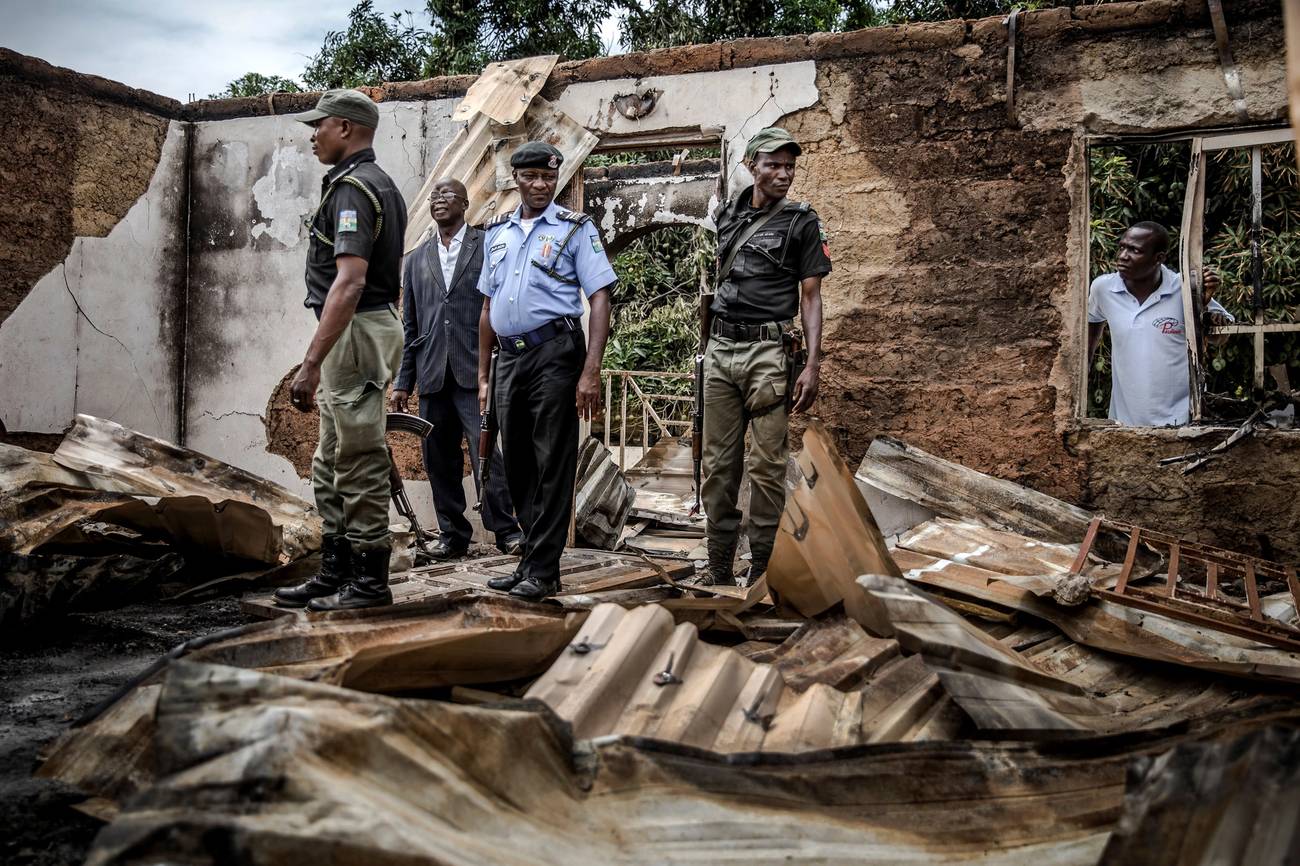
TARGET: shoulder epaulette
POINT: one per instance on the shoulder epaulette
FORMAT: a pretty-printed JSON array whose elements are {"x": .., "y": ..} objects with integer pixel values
[
  {"x": 572, "y": 216},
  {"x": 801, "y": 206},
  {"x": 496, "y": 221}
]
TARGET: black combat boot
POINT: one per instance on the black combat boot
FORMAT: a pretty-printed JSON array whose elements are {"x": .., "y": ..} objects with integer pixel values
[
  {"x": 758, "y": 559},
  {"x": 721, "y": 564},
  {"x": 367, "y": 588},
  {"x": 335, "y": 570}
]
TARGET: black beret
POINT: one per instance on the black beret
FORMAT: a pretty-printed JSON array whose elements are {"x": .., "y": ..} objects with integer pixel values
[{"x": 536, "y": 154}]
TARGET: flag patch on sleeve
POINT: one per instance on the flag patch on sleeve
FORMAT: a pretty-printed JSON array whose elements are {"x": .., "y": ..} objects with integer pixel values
[{"x": 347, "y": 221}]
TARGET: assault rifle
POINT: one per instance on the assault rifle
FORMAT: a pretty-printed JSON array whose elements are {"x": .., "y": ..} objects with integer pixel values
[
  {"x": 697, "y": 411},
  {"x": 406, "y": 423},
  {"x": 487, "y": 431}
]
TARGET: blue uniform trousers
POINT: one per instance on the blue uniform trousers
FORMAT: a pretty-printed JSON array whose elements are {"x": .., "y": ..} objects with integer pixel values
[{"x": 536, "y": 393}]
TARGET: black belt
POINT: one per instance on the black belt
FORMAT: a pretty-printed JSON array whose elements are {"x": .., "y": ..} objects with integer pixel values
[
  {"x": 361, "y": 308},
  {"x": 521, "y": 343},
  {"x": 743, "y": 333}
]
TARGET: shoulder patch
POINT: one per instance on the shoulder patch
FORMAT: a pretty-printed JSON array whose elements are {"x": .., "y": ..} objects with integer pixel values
[
  {"x": 595, "y": 244},
  {"x": 347, "y": 221},
  {"x": 573, "y": 216}
]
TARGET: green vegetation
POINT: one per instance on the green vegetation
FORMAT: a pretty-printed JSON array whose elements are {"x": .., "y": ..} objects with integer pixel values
[
  {"x": 656, "y": 302},
  {"x": 257, "y": 84}
]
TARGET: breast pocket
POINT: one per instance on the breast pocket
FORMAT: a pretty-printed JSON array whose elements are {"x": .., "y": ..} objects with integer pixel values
[{"x": 493, "y": 261}]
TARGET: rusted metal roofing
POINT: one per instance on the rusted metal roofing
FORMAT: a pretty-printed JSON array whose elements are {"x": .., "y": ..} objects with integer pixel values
[
  {"x": 827, "y": 536},
  {"x": 1098, "y": 622},
  {"x": 268, "y": 769},
  {"x": 637, "y": 673}
]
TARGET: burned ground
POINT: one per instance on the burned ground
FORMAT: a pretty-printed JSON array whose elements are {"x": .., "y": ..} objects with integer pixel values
[{"x": 54, "y": 674}]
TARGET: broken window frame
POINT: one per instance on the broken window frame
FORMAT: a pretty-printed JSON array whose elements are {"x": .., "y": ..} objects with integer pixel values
[{"x": 1191, "y": 250}]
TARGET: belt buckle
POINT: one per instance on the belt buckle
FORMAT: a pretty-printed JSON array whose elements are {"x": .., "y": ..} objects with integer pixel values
[{"x": 520, "y": 344}]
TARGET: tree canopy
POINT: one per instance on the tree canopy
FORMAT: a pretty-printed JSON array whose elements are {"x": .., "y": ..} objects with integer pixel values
[{"x": 458, "y": 37}]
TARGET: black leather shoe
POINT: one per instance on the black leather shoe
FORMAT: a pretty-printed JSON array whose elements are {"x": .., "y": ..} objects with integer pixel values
[
  {"x": 533, "y": 589},
  {"x": 511, "y": 545},
  {"x": 507, "y": 583},
  {"x": 442, "y": 549},
  {"x": 335, "y": 571},
  {"x": 368, "y": 587}
]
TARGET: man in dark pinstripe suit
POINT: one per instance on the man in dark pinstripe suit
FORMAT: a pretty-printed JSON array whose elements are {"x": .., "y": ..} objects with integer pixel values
[{"x": 440, "y": 313}]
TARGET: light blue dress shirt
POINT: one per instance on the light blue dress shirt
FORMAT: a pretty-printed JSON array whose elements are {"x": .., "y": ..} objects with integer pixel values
[{"x": 524, "y": 296}]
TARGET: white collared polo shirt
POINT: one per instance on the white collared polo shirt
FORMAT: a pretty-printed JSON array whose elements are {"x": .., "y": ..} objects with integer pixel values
[{"x": 1148, "y": 350}]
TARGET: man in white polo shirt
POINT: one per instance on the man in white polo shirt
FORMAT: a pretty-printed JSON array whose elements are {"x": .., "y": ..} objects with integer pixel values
[{"x": 1142, "y": 302}]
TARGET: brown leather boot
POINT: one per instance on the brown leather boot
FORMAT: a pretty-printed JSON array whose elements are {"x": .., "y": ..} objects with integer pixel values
[{"x": 335, "y": 570}]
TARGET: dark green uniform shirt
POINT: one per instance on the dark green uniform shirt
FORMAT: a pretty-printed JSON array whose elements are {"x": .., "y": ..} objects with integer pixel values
[
  {"x": 763, "y": 285},
  {"x": 366, "y": 220}
]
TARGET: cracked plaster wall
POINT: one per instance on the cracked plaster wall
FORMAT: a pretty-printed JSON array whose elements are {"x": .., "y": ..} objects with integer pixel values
[
  {"x": 98, "y": 333},
  {"x": 254, "y": 180}
]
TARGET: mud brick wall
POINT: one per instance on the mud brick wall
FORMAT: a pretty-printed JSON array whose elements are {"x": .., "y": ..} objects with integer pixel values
[
  {"x": 83, "y": 149},
  {"x": 954, "y": 316},
  {"x": 92, "y": 257}
]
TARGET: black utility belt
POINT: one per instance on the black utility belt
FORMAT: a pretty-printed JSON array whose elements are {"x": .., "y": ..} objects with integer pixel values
[
  {"x": 361, "y": 308},
  {"x": 521, "y": 343},
  {"x": 744, "y": 333}
]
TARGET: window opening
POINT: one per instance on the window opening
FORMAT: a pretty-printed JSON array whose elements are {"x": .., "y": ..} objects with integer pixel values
[
  {"x": 1231, "y": 203},
  {"x": 648, "y": 198}
]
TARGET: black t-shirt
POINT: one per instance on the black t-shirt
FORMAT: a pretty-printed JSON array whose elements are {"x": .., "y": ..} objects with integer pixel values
[
  {"x": 345, "y": 223},
  {"x": 763, "y": 285}
]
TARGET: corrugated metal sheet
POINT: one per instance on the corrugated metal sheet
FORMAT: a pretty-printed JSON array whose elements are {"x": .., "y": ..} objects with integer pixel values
[
  {"x": 505, "y": 89},
  {"x": 1100, "y": 623},
  {"x": 635, "y": 672},
  {"x": 282, "y": 771},
  {"x": 827, "y": 536},
  {"x": 201, "y": 502}
]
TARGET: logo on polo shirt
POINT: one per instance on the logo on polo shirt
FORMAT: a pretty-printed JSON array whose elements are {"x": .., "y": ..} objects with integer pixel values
[{"x": 1168, "y": 325}]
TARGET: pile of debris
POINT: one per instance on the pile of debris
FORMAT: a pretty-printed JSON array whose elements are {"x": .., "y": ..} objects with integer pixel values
[
  {"x": 113, "y": 511},
  {"x": 987, "y": 674}
]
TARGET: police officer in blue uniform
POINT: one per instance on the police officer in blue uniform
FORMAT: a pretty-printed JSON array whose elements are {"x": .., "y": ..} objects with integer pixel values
[{"x": 539, "y": 261}]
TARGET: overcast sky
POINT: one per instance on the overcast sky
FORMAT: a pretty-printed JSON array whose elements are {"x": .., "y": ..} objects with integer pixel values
[{"x": 181, "y": 48}]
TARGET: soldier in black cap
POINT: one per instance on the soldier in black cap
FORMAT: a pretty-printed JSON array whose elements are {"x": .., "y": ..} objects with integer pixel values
[
  {"x": 353, "y": 268},
  {"x": 539, "y": 262}
]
